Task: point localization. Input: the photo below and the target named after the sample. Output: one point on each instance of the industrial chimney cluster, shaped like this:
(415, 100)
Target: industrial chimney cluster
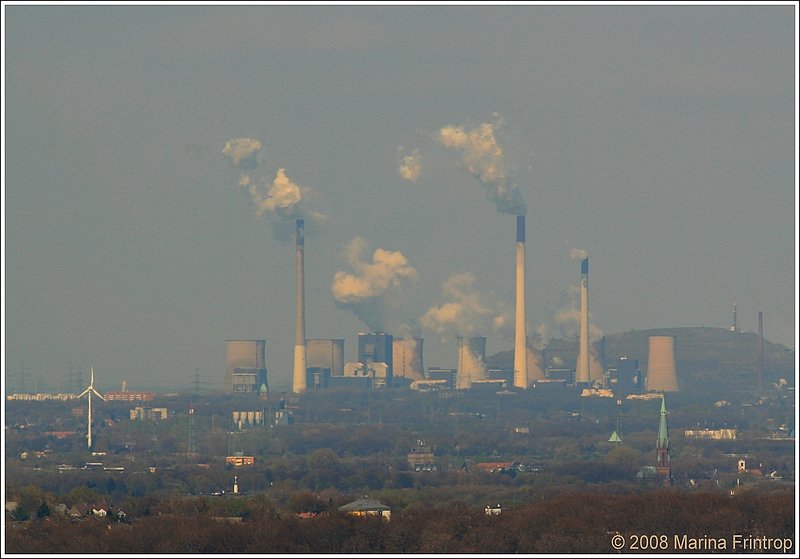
(385, 361)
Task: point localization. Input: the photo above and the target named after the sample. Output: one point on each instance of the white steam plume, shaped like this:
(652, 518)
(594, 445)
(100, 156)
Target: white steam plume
(483, 158)
(374, 287)
(282, 200)
(466, 312)
(567, 320)
(242, 152)
(410, 166)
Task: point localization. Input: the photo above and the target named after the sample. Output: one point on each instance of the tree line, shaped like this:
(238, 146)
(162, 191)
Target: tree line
(563, 523)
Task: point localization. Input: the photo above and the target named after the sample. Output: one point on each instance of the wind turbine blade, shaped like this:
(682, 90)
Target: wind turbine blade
(83, 393)
(96, 393)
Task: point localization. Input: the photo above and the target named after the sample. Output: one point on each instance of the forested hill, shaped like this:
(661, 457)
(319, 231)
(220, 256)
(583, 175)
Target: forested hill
(703, 355)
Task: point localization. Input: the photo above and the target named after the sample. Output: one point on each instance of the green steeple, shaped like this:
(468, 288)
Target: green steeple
(663, 431)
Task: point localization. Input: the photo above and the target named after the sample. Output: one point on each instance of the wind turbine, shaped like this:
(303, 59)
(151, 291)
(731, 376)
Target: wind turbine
(89, 390)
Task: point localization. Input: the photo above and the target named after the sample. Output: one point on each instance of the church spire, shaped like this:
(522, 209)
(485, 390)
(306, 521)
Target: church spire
(662, 446)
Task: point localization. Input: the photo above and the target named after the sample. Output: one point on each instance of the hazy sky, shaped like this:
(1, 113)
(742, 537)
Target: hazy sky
(659, 139)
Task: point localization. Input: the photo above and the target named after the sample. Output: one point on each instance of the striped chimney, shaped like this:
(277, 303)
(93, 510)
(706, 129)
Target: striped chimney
(582, 369)
(520, 337)
(299, 372)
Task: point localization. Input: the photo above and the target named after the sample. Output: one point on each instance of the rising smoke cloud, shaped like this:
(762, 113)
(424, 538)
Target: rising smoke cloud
(374, 288)
(242, 152)
(567, 320)
(281, 200)
(483, 158)
(466, 312)
(410, 166)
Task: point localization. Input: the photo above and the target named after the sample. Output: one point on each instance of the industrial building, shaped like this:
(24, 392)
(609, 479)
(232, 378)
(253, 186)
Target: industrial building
(247, 418)
(711, 434)
(140, 413)
(421, 458)
(128, 396)
(376, 347)
(317, 377)
(628, 374)
(365, 375)
(448, 375)
(367, 507)
(238, 458)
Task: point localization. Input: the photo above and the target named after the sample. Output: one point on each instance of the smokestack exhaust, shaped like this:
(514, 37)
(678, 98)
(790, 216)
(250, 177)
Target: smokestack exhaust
(471, 361)
(520, 336)
(582, 374)
(299, 372)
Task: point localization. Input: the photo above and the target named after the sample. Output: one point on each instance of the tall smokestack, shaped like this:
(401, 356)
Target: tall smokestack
(582, 369)
(520, 337)
(299, 373)
(760, 351)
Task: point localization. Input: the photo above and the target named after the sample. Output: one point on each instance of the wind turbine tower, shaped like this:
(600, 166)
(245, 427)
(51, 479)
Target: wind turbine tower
(89, 391)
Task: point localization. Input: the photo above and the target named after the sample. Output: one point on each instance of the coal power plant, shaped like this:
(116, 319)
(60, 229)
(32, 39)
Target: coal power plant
(387, 361)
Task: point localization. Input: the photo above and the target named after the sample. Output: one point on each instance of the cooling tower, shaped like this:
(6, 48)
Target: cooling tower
(520, 337)
(246, 355)
(326, 354)
(661, 375)
(407, 358)
(299, 371)
(535, 365)
(471, 361)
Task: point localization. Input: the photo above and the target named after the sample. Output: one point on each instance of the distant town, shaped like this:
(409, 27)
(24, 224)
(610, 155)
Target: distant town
(383, 437)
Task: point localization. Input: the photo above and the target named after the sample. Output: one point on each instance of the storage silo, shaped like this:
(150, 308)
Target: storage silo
(407, 358)
(661, 373)
(471, 361)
